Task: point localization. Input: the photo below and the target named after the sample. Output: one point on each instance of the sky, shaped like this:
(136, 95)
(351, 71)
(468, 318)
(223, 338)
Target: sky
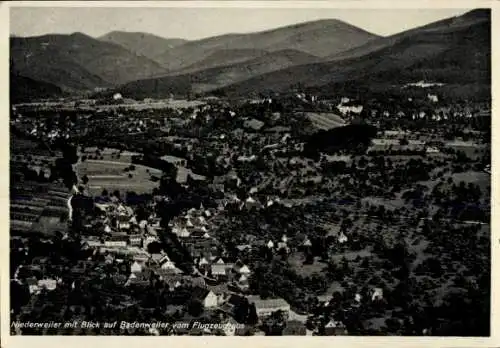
(197, 23)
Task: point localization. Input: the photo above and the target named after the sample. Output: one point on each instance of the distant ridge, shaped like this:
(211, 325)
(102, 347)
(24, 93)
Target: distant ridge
(78, 61)
(143, 44)
(455, 51)
(318, 38)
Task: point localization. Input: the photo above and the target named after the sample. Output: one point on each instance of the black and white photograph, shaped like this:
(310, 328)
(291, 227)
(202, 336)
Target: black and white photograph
(249, 171)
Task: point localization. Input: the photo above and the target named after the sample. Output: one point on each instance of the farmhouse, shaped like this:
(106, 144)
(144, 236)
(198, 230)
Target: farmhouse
(266, 307)
(205, 296)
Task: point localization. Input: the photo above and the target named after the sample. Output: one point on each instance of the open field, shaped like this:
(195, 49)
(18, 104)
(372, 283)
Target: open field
(325, 120)
(109, 154)
(111, 175)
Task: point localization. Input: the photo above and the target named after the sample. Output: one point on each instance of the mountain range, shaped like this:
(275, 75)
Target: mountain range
(142, 44)
(318, 55)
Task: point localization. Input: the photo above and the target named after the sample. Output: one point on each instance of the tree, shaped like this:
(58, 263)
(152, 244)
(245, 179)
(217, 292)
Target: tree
(252, 315)
(195, 308)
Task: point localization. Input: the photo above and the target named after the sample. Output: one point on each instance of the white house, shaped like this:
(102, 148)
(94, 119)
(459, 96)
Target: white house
(136, 267)
(207, 297)
(49, 284)
(203, 262)
(377, 294)
(307, 242)
(265, 308)
(431, 149)
(357, 298)
(168, 265)
(342, 238)
(184, 233)
(244, 270)
(115, 243)
(433, 98)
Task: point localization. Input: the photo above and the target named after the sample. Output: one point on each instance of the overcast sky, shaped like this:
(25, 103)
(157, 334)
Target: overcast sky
(196, 23)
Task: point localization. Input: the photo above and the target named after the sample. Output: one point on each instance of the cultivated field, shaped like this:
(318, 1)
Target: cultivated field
(325, 120)
(111, 175)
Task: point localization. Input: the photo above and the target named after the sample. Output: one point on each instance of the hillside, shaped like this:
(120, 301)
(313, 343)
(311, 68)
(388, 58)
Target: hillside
(319, 38)
(24, 89)
(221, 58)
(452, 54)
(210, 79)
(448, 24)
(78, 61)
(142, 44)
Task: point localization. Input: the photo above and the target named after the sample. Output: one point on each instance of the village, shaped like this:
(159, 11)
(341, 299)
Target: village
(215, 213)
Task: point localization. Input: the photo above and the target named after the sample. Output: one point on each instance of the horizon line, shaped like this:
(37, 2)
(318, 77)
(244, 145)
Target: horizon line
(97, 37)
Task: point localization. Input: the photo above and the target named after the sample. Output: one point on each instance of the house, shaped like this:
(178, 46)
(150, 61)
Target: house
(116, 242)
(229, 326)
(265, 307)
(32, 283)
(358, 298)
(218, 271)
(203, 262)
(139, 279)
(150, 239)
(49, 284)
(200, 233)
(158, 258)
(253, 124)
(283, 246)
(244, 270)
(342, 238)
(433, 98)
(244, 247)
(207, 297)
(173, 281)
(136, 267)
(294, 328)
(431, 149)
(141, 258)
(135, 239)
(252, 203)
(307, 243)
(335, 328)
(169, 265)
(377, 294)
(197, 282)
(183, 233)
(93, 243)
(109, 259)
(123, 222)
(243, 283)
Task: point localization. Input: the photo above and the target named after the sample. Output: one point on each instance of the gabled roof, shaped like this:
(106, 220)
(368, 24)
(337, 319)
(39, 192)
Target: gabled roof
(218, 269)
(271, 303)
(200, 293)
(244, 269)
